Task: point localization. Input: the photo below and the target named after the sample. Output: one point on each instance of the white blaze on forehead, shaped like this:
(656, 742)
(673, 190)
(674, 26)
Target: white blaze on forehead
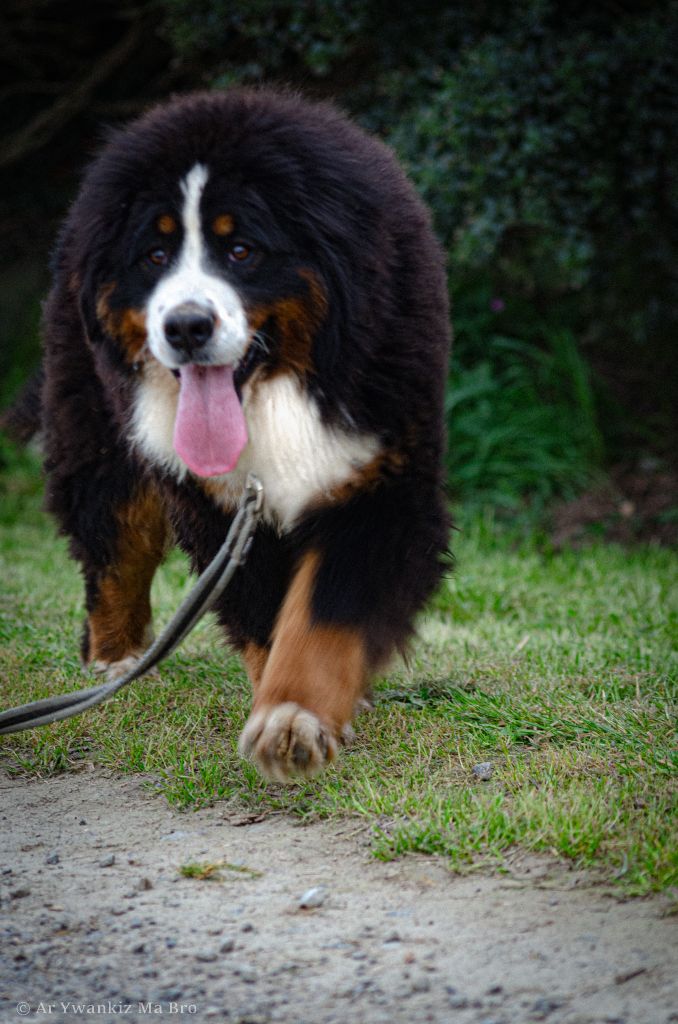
(192, 187)
(193, 279)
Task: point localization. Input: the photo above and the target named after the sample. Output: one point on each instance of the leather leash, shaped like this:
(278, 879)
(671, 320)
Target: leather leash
(210, 585)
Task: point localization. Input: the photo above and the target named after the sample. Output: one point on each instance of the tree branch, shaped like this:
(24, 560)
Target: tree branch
(45, 125)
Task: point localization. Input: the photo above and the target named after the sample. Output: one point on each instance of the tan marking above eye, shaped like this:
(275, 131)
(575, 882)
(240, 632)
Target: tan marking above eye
(223, 224)
(166, 224)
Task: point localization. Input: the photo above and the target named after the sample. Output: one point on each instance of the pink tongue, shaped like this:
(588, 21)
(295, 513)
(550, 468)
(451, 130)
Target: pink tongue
(210, 430)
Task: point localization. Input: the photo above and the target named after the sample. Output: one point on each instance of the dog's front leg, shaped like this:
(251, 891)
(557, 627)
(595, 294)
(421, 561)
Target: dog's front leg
(307, 688)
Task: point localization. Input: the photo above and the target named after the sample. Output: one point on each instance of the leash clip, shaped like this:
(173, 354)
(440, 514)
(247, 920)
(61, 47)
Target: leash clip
(254, 492)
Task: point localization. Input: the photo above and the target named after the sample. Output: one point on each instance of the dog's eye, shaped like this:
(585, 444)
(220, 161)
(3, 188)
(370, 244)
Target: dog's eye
(239, 252)
(158, 257)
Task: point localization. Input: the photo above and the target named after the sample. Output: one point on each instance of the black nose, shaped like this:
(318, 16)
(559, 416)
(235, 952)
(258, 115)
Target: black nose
(189, 326)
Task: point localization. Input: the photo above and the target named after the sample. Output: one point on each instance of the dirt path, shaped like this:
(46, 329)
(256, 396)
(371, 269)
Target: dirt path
(97, 922)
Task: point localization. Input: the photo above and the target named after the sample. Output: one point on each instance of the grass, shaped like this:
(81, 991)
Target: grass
(213, 872)
(559, 668)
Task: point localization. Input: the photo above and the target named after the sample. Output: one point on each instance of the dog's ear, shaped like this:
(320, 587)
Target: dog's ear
(88, 289)
(345, 317)
(84, 257)
(75, 271)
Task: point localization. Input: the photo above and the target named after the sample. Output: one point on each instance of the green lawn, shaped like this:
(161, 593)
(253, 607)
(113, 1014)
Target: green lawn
(559, 668)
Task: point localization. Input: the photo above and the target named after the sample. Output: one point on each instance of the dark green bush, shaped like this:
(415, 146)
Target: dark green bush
(549, 157)
(522, 421)
(543, 135)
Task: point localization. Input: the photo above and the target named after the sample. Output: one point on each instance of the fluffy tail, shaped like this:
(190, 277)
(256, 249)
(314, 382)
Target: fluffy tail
(23, 420)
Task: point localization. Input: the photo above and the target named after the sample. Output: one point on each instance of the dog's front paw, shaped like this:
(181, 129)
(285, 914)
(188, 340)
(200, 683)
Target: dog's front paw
(287, 741)
(112, 670)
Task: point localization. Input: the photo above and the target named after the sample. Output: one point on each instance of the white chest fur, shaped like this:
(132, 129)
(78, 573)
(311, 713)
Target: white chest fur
(297, 457)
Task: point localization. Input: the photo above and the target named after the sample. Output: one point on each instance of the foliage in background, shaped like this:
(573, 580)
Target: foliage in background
(544, 138)
(543, 135)
(521, 422)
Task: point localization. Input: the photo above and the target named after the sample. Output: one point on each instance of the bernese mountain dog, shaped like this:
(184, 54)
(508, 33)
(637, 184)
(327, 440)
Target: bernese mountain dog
(248, 282)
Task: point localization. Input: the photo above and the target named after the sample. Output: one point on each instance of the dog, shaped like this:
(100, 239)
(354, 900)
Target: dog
(247, 282)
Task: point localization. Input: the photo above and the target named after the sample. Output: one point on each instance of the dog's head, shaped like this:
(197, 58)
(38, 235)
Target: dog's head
(227, 233)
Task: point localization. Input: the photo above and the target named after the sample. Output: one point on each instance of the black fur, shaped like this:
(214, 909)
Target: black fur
(316, 193)
(23, 419)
